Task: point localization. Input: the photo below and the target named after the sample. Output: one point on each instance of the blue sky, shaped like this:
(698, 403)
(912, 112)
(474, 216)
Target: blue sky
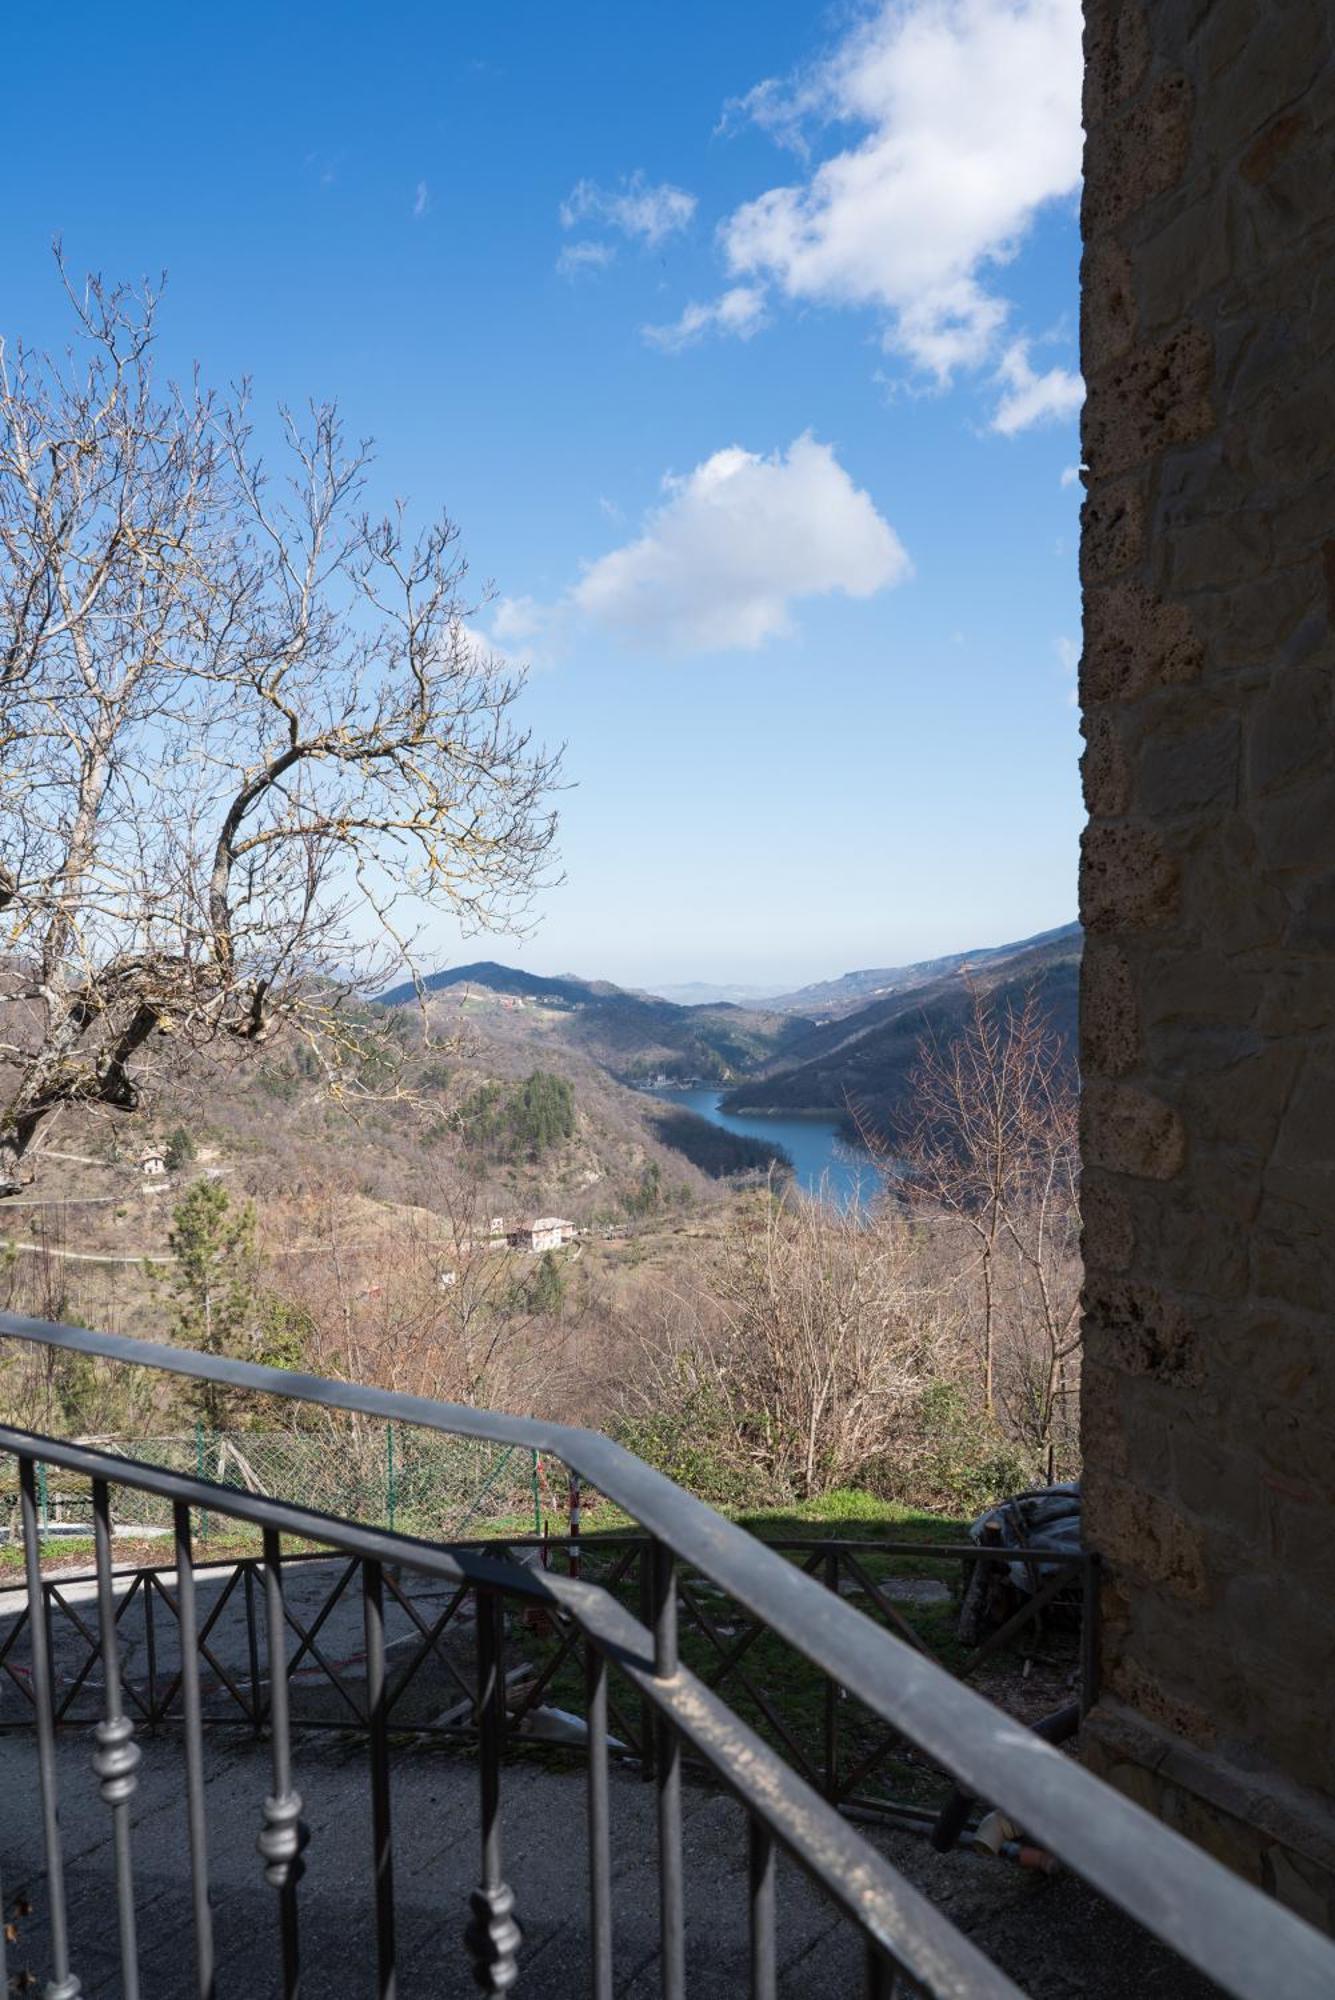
(741, 344)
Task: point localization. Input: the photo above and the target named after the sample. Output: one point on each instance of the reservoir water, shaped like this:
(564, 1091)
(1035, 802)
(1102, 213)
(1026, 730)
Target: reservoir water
(824, 1162)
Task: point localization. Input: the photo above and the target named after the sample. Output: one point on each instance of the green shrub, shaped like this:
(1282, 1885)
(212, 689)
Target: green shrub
(695, 1443)
(964, 1460)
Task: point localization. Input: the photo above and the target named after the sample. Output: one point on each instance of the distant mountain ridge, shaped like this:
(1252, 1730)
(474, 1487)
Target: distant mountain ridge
(842, 1054)
(855, 989)
(566, 987)
(636, 1036)
(859, 1064)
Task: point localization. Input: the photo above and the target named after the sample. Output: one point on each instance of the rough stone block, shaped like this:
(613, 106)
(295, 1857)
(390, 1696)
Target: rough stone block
(1218, 1485)
(1213, 552)
(1311, 921)
(1112, 528)
(1140, 154)
(1236, 907)
(1117, 56)
(1231, 1841)
(1103, 767)
(1137, 1329)
(1189, 770)
(1127, 881)
(1287, 823)
(1131, 1132)
(1199, 1250)
(1109, 1015)
(1108, 1223)
(1203, 989)
(1290, 731)
(1179, 265)
(1154, 396)
(1265, 153)
(1253, 621)
(1142, 1534)
(1134, 642)
(1237, 1095)
(1107, 307)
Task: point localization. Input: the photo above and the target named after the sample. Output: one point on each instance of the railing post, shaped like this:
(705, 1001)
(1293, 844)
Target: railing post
(253, 1648)
(64, 1985)
(283, 1838)
(188, 1633)
(667, 1769)
(493, 1937)
(151, 1651)
(116, 1757)
(764, 1956)
(600, 1854)
(391, 1495)
(382, 1850)
(831, 1694)
(646, 1619)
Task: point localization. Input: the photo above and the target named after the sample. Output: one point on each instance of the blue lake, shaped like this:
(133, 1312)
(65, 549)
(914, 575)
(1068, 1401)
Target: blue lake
(823, 1160)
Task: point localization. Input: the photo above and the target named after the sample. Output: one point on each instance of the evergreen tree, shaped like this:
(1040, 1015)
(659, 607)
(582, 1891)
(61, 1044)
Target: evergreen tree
(548, 1289)
(213, 1287)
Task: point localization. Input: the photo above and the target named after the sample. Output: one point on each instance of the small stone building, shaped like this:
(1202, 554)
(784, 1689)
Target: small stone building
(1208, 896)
(548, 1232)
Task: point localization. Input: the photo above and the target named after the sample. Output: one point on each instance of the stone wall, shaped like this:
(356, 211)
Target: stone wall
(1208, 893)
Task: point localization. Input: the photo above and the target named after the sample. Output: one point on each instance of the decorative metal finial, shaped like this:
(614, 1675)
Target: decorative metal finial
(493, 1939)
(283, 1840)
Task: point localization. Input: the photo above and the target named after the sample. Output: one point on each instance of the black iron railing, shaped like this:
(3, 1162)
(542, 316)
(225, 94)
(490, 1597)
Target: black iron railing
(842, 1749)
(1247, 1944)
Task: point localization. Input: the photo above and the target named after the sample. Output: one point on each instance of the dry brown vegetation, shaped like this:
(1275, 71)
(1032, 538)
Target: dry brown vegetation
(758, 1345)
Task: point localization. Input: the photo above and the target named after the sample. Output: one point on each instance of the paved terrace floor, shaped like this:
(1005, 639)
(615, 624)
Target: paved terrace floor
(1055, 1937)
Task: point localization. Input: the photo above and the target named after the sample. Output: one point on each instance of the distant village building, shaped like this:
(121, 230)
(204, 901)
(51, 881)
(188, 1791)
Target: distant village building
(153, 1163)
(549, 1232)
(497, 1225)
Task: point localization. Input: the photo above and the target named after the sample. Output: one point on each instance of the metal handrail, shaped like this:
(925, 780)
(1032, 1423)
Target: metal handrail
(1249, 1945)
(889, 1910)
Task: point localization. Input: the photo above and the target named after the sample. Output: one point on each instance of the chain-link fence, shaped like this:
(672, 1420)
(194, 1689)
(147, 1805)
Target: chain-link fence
(386, 1475)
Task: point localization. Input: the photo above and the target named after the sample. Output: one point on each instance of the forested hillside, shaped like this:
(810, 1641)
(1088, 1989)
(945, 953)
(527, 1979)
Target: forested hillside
(634, 1035)
(859, 1065)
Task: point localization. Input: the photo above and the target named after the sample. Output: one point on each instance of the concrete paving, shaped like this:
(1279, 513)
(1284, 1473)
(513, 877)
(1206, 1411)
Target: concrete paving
(1057, 1939)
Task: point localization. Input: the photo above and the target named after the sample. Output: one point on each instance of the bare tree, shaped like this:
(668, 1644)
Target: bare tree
(810, 1340)
(990, 1147)
(244, 724)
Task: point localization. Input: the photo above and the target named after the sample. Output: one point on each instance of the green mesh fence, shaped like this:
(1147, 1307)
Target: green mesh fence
(386, 1475)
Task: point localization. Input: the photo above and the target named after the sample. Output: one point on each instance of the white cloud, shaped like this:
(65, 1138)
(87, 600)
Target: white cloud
(735, 544)
(421, 201)
(586, 255)
(740, 311)
(516, 619)
(1032, 398)
(970, 111)
(636, 208)
(1070, 476)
